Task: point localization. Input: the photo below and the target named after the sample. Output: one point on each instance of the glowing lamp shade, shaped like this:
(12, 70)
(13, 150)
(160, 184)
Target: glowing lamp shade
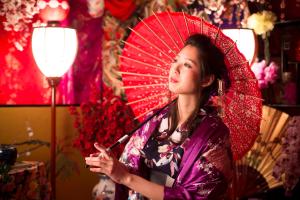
(54, 49)
(245, 40)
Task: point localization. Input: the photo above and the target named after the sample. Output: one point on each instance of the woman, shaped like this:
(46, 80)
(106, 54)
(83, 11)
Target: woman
(187, 145)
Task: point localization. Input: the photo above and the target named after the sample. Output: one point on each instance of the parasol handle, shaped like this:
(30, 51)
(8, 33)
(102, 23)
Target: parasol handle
(128, 135)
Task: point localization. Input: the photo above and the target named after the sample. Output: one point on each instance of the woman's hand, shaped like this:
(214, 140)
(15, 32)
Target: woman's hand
(104, 163)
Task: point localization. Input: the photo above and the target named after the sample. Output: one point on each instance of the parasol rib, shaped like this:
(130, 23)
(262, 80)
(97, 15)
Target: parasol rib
(194, 27)
(146, 98)
(197, 24)
(141, 62)
(217, 35)
(176, 28)
(137, 74)
(151, 44)
(230, 48)
(140, 86)
(144, 52)
(158, 37)
(164, 28)
(144, 113)
(186, 25)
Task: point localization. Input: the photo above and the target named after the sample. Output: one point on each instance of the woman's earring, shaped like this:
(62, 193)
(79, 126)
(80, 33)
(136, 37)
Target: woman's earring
(220, 99)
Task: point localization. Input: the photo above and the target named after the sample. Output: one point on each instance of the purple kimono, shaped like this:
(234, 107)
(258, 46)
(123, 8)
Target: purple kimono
(205, 170)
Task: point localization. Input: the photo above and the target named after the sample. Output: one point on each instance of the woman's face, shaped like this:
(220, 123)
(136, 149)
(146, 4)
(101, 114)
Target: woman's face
(184, 76)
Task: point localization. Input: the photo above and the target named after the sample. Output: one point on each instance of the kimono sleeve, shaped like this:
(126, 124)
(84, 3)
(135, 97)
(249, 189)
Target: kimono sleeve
(210, 174)
(132, 151)
(131, 158)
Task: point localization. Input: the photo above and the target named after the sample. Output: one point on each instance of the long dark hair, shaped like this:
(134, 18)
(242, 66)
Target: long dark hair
(212, 62)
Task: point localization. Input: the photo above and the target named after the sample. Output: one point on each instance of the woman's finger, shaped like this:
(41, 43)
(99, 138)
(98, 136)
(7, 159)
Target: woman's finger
(103, 152)
(98, 158)
(98, 170)
(103, 170)
(92, 163)
(94, 154)
(98, 163)
(99, 147)
(105, 155)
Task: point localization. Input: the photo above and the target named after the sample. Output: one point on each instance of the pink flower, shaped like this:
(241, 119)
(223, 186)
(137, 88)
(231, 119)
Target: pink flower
(258, 69)
(271, 73)
(262, 84)
(265, 74)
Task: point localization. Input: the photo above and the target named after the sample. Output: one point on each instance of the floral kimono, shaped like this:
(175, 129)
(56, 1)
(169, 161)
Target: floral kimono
(205, 169)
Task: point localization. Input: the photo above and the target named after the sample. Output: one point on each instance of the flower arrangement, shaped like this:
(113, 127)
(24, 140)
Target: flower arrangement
(263, 23)
(265, 75)
(103, 119)
(19, 20)
(219, 12)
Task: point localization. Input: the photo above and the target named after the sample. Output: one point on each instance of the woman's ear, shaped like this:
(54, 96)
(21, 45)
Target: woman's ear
(208, 81)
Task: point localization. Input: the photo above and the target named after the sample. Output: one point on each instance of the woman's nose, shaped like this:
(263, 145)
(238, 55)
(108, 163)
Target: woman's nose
(176, 68)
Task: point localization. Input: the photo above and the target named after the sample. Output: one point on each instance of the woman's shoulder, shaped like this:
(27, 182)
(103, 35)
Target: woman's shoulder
(221, 131)
(214, 129)
(217, 150)
(210, 117)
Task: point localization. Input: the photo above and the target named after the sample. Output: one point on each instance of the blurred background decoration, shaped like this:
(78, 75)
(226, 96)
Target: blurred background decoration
(103, 119)
(263, 23)
(286, 166)
(254, 172)
(66, 166)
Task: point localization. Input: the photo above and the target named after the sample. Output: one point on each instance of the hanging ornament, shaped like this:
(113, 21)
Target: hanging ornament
(53, 10)
(95, 8)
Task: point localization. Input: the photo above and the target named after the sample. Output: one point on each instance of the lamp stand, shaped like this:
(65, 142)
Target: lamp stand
(53, 82)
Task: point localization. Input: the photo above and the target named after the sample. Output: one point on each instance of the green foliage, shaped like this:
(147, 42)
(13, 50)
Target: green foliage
(4, 169)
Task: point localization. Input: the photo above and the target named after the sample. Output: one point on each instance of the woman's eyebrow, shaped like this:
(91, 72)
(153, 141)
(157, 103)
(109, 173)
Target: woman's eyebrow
(192, 61)
(187, 59)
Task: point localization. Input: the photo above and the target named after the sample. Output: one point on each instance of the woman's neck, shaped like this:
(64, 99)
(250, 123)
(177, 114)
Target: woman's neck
(186, 106)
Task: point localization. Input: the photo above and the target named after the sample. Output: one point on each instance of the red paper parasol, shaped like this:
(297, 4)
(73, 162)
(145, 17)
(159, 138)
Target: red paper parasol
(145, 63)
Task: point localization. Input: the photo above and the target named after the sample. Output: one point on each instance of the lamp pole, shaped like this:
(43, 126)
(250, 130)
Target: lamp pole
(53, 82)
(54, 49)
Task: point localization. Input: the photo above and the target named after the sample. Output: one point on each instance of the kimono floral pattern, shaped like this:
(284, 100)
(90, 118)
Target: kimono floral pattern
(163, 152)
(133, 148)
(205, 169)
(214, 165)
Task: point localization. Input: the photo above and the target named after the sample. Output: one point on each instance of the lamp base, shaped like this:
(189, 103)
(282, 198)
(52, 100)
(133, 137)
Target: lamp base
(53, 81)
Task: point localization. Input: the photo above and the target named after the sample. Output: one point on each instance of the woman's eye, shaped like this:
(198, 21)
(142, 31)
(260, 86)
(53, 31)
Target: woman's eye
(187, 65)
(174, 60)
